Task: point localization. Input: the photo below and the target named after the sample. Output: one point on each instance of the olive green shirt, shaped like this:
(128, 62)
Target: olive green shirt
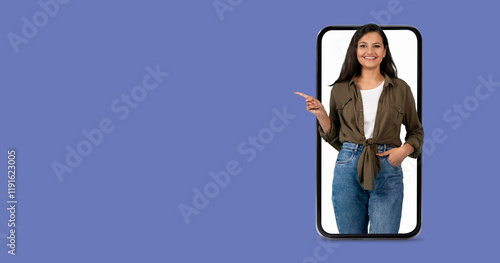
(396, 106)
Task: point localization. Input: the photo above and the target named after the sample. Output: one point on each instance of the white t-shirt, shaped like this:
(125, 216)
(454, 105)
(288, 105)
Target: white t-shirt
(370, 102)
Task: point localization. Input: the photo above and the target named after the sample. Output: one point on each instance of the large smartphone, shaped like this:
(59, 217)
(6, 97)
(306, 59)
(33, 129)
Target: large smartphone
(405, 43)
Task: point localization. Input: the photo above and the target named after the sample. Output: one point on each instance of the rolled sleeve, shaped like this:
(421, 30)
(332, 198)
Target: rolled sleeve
(414, 130)
(332, 135)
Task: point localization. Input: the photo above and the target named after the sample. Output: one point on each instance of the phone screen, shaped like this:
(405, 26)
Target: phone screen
(405, 44)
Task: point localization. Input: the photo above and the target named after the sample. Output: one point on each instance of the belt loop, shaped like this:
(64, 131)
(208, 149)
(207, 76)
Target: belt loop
(385, 147)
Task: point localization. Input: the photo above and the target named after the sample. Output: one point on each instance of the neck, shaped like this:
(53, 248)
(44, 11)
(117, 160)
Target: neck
(371, 74)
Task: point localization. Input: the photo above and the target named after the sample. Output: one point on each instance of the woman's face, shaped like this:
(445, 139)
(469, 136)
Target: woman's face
(370, 50)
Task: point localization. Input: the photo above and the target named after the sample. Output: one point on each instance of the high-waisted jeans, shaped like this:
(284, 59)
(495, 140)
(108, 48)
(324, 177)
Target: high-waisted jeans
(354, 206)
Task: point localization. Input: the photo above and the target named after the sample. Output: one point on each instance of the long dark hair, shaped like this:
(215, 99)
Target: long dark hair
(351, 64)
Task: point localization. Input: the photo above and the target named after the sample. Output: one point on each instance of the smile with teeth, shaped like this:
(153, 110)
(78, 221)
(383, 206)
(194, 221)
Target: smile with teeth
(369, 58)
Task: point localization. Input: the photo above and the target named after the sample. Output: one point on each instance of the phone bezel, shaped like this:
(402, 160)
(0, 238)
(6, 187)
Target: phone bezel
(319, 227)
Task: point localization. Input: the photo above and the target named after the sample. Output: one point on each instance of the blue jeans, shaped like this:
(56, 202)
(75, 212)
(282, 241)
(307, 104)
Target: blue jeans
(354, 206)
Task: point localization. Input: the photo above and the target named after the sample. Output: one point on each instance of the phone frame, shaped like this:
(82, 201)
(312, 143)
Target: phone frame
(319, 227)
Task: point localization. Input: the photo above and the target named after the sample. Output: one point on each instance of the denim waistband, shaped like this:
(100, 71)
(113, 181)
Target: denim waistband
(355, 146)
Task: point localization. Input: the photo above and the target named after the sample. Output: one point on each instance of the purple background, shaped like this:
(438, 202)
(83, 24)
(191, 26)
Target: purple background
(227, 74)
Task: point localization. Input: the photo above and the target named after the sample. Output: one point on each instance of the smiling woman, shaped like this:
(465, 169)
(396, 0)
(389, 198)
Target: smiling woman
(368, 105)
(370, 51)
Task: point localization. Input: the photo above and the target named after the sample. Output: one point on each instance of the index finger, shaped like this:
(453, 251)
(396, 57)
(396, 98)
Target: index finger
(302, 94)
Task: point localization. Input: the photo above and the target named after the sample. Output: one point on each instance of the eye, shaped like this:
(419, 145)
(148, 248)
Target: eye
(377, 46)
(362, 45)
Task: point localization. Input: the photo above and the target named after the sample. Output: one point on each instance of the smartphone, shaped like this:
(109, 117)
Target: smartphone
(405, 43)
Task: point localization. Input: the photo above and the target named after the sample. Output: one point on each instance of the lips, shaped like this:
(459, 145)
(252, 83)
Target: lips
(370, 58)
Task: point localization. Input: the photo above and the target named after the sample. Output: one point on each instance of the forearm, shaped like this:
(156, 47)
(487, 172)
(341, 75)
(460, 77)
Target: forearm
(324, 122)
(408, 149)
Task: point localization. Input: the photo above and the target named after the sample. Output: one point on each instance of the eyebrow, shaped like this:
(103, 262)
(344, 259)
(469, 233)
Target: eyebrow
(367, 43)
